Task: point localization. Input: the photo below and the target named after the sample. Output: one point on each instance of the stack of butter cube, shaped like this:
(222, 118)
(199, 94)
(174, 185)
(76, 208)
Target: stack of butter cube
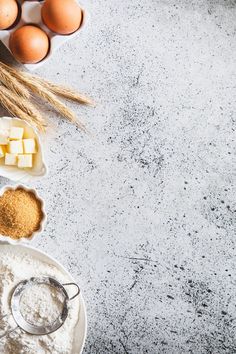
(15, 149)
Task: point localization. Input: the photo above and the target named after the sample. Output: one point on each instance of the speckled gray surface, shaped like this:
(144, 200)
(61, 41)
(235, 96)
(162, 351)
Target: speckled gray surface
(143, 212)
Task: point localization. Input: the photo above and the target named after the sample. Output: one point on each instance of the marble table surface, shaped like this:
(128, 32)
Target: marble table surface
(142, 211)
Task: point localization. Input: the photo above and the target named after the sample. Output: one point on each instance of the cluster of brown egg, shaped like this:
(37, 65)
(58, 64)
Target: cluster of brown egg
(30, 43)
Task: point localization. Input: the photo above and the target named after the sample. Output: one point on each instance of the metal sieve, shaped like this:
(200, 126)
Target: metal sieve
(29, 327)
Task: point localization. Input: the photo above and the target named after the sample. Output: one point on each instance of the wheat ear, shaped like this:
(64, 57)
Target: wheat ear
(55, 103)
(64, 91)
(48, 96)
(26, 106)
(59, 90)
(12, 83)
(14, 109)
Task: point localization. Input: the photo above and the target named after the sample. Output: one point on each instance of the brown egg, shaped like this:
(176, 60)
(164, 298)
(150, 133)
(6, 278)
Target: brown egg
(62, 16)
(8, 13)
(29, 44)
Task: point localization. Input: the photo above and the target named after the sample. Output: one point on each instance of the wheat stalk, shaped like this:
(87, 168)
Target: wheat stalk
(64, 91)
(12, 83)
(14, 109)
(48, 96)
(48, 91)
(59, 90)
(52, 99)
(26, 106)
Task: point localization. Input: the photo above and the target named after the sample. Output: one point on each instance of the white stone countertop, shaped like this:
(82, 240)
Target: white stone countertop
(142, 212)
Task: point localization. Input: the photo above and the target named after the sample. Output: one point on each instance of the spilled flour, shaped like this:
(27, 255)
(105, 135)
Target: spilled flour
(40, 304)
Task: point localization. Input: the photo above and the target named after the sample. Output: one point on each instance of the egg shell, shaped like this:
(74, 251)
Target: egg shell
(62, 16)
(29, 44)
(31, 14)
(8, 13)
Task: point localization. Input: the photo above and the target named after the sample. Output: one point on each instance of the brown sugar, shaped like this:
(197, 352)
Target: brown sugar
(20, 213)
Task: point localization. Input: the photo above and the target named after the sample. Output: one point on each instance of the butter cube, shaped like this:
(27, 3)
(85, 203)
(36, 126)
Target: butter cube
(2, 151)
(29, 146)
(16, 133)
(15, 147)
(4, 137)
(10, 159)
(25, 161)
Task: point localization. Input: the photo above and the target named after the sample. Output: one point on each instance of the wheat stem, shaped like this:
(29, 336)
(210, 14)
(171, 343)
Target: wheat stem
(59, 90)
(14, 109)
(64, 91)
(26, 106)
(12, 83)
(49, 92)
(48, 96)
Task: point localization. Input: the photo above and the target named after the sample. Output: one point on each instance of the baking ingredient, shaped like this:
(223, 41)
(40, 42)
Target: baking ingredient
(29, 146)
(2, 151)
(25, 161)
(52, 99)
(20, 213)
(16, 133)
(12, 83)
(62, 16)
(10, 159)
(21, 107)
(15, 147)
(17, 150)
(29, 44)
(33, 299)
(15, 266)
(4, 138)
(8, 13)
(16, 109)
(64, 91)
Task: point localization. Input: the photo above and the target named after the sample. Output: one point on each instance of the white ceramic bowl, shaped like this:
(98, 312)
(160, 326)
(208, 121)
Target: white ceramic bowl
(13, 172)
(7, 239)
(31, 14)
(80, 332)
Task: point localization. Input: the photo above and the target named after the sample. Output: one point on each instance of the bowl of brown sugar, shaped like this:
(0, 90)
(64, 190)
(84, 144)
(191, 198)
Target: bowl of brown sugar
(22, 214)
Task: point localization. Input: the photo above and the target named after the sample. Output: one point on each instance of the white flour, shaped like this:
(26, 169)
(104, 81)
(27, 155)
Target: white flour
(41, 304)
(20, 266)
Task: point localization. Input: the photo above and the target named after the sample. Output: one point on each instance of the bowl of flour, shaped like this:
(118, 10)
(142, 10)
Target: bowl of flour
(18, 263)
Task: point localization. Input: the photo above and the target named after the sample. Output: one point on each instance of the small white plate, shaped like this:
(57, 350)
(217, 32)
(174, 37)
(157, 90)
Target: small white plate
(13, 172)
(7, 239)
(81, 327)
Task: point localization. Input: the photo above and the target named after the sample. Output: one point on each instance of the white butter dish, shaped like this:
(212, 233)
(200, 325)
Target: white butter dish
(39, 168)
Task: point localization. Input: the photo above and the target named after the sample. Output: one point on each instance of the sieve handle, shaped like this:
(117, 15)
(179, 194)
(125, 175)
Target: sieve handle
(78, 289)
